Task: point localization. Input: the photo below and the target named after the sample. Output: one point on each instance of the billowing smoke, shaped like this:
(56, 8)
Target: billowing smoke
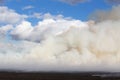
(101, 15)
(62, 45)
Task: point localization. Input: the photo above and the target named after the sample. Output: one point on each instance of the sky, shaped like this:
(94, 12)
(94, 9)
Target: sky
(60, 35)
(35, 11)
(78, 10)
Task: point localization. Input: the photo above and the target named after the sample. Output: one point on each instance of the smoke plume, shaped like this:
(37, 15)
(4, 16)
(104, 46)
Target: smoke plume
(101, 15)
(63, 45)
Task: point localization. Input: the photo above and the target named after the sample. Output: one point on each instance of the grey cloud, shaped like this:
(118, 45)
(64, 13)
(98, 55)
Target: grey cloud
(1, 1)
(73, 2)
(113, 1)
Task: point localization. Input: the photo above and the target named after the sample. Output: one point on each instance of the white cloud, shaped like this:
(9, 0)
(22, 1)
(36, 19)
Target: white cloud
(10, 16)
(50, 25)
(5, 29)
(22, 30)
(27, 7)
(36, 15)
(47, 16)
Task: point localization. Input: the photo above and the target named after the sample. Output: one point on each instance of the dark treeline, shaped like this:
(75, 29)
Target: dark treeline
(54, 76)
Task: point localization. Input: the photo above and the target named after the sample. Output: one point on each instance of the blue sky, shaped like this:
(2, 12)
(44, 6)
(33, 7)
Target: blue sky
(80, 10)
(77, 11)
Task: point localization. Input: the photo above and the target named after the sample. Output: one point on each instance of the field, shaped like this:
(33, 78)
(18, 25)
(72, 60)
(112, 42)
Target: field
(58, 76)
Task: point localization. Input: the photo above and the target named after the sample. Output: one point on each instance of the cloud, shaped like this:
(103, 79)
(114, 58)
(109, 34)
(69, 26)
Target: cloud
(27, 7)
(58, 43)
(56, 17)
(50, 25)
(1, 1)
(79, 48)
(113, 1)
(22, 30)
(10, 16)
(46, 16)
(101, 15)
(4, 30)
(36, 15)
(73, 2)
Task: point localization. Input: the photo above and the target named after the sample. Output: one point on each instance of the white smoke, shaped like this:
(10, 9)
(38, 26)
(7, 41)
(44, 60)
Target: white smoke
(88, 48)
(63, 45)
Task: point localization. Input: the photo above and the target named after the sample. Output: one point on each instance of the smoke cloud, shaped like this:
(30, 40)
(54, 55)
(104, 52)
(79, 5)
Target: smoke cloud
(101, 15)
(83, 48)
(62, 44)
